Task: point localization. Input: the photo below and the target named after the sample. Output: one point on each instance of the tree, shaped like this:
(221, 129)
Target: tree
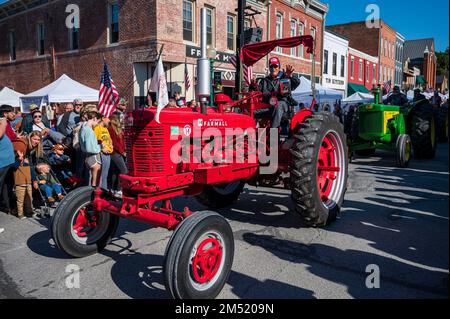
(442, 63)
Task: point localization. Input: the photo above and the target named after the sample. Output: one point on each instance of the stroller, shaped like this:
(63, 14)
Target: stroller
(43, 207)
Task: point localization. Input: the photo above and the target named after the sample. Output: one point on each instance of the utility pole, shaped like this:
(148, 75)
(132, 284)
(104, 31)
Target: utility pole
(242, 4)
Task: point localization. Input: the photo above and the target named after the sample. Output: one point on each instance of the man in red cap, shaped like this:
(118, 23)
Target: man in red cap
(278, 84)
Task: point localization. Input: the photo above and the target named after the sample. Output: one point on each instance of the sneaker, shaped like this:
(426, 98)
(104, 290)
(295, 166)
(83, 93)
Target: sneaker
(118, 194)
(22, 217)
(2, 230)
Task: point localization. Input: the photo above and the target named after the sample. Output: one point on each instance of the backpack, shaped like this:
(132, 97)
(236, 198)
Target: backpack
(76, 137)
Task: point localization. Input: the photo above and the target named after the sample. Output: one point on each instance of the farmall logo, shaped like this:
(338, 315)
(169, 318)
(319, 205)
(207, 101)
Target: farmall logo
(212, 123)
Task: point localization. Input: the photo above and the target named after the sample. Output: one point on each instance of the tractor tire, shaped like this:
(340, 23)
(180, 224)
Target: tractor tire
(423, 132)
(319, 170)
(442, 123)
(199, 257)
(70, 226)
(403, 150)
(221, 196)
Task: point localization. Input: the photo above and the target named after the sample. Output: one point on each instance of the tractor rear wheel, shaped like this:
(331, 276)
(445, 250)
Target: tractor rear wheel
(442, 123)
(77, 229)
(199, 257)
(319, 170)
(423, 132)
(403, 150)
(220, 196)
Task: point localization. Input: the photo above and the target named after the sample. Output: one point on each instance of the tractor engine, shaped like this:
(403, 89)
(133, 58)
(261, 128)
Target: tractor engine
(214, 146)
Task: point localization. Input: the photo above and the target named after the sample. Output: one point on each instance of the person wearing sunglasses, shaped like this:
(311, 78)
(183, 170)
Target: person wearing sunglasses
(27, 124)
(38, 124)
(273, 85)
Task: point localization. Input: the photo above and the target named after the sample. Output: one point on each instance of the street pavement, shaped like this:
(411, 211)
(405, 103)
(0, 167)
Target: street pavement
(396, 219)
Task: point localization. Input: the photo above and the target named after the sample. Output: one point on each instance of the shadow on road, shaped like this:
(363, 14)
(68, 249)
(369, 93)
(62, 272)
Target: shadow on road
(348, 267)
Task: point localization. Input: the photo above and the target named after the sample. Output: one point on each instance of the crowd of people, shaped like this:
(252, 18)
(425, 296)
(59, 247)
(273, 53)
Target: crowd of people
(43, 157)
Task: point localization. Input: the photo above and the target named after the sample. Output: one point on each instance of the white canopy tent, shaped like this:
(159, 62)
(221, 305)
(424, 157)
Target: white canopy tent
(359, 97)
(63, 90)
(10, 97)
(303, 94)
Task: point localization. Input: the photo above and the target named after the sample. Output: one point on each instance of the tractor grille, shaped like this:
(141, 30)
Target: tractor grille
(371, 123)
(145, 150)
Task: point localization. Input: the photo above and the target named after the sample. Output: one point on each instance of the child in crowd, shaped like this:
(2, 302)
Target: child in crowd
(104, 139)
(47, 183)
(90, 147)
(61, 163)
(23, 181)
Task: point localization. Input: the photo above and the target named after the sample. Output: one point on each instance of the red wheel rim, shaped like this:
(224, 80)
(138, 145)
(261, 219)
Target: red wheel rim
(85, 222)
(207, 260)
(328, 168)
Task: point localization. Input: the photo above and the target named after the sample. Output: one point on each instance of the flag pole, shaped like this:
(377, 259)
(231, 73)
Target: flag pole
(156, 64)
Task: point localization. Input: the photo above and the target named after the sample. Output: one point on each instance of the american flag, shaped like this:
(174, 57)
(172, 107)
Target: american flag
(248, 71)
(187, 80)
(109, 96)
(387, 86)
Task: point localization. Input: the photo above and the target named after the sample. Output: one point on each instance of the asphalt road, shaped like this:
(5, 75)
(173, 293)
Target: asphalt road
(394, 218)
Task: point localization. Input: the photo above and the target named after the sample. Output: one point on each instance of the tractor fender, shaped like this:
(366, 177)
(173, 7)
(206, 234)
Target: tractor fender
(299, 118)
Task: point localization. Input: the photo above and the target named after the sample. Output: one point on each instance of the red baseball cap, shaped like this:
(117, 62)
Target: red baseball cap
(274, 60)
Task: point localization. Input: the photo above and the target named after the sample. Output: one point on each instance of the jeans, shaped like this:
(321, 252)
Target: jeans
(6, 186)
(278, 113)
(50, 189)
(106, 163)
(118, 167)
(63, 173)
(81, 171)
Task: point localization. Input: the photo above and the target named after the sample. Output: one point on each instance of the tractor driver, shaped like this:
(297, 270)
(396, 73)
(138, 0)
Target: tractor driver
(270, 85)
(397, 98)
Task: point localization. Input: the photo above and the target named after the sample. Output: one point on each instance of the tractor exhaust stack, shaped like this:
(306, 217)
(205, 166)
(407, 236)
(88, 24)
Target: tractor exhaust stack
(203, 68)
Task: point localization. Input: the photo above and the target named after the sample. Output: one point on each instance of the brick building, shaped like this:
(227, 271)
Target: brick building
(34, 40)
(362, 71)
(378, 42)
(292, 18)
(421, 54)
(399, 48)
(36, 46)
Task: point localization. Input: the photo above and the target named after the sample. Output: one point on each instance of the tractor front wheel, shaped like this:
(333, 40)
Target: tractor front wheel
(220, 196)
(77, 229)
(199, 257)
(319, 170)
(403, 150)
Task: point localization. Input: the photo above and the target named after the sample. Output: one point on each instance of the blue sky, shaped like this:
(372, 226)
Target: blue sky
(414, 19)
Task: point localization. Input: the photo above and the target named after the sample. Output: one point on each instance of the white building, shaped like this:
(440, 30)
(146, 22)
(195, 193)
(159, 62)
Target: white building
(335, 51)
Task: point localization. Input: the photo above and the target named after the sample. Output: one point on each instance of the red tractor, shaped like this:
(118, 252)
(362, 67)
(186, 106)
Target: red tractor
(184, 156)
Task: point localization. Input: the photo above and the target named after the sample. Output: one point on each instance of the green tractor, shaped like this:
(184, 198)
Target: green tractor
(405, 130)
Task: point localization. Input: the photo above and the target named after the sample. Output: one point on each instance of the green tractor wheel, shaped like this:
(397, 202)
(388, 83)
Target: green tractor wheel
(423, 132)
(403, 150)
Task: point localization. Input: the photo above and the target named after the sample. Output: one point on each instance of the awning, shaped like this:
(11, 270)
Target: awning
(252, 53)
(421, 80)
(353, 88)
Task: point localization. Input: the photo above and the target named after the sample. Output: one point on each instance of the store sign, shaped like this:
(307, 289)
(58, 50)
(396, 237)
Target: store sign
(195, 52)
(338, 82)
